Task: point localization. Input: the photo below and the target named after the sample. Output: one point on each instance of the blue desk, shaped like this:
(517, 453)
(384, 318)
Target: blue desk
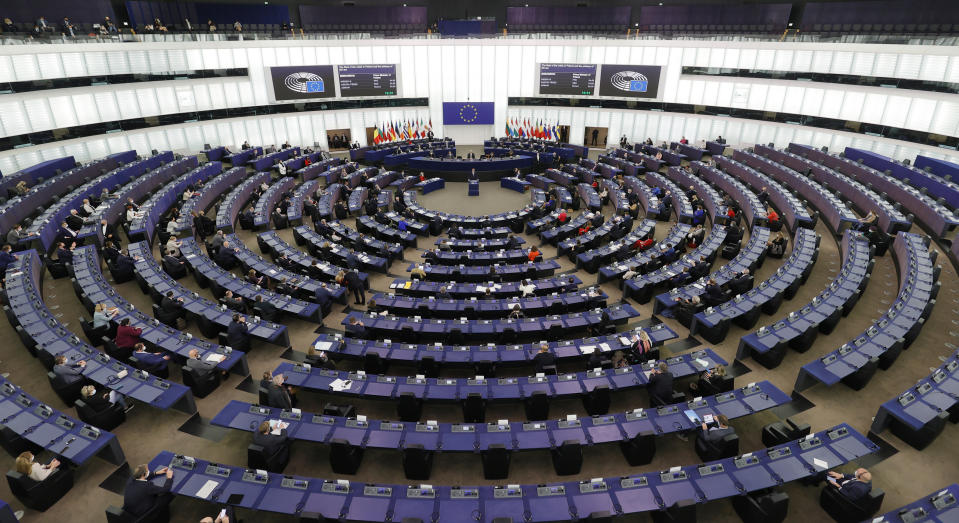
(207, 272)
(618, 269)
(360, 242)
(242, 157)
(715, 148)
(47, 225)
(576, 244)
(233, 202)
(215, 153)
(642, 287)
(6, 513)
(519, 435)
(92, 288)
(263, 208)
(384, 179)
(617, 158)
(619, 249)
(937, 187)
(209, 315)
(483, 257)
(294, 214)
(588, 195)
(647, 199)
(571, 385)
(889, 218)
(322, 247)
(268, 161)
(937, 507)
(560, 232)
(752, 209)
(650, 162)
(17, 208)
(208, 194)
(792, 212)
(744, 309)
(455, 169)
(64, 436)
(617, 196)
(937, 217)
(485, 273)
(402, 158)
(515, 184)
(431, 184)
(936, 166)
(385, 232)
(432, 307)
(893, 331)
(800, 328)
(269, 242)
(50, 336)
(769, 161)
(316, 169)
(299, 162)
(694, 154)
(633, 494)
(484, 233)
(681, 204)
(466, 244)
(919, 414)
(672, 158)
(144, 226)
(710, 198)
(536, 327)
(562, 283)
(357, 200)
(505, 219)
(46, 170)
(469, 355)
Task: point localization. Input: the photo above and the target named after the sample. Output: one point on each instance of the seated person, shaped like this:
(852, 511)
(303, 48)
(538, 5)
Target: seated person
(357, 328)
(319, 358)
(277, 395)
(124, 267)
(709, 381)
(142, 495)
(233, 302)
(110, 252)
(64, 253)
(237, 333)
(152, 362)
(777, 245)
(527, 288)
(714, 435)
(226, 256)
(543, 358)
(100, 401)
(203, 369)
(714, 295)
(102, 317)
(28, 467)
(660, 385)
(67, 372)
(273, 443)
(265, 309)
(173, 247)
(172, 307)
(741, 283)
(680, 278)
(534, 253)
(418, 273)
(854, 486)
(127, 336)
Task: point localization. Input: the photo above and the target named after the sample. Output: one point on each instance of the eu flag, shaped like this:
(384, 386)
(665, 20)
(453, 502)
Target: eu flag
(468, 113)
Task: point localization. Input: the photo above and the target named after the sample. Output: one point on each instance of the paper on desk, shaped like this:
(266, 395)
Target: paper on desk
(647, 373)
(624, 341)
(408, 284)
(587, 349)
(605, 347)
(820, 463)
(215, 357)
(480, 288)
(207, 489)
(701, 362)
(339, 385)
(323, 346)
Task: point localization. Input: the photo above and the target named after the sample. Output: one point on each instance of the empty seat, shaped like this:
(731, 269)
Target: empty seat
(344, 458)
(496, 460)
(474, 408)
(567, 458)
(417, 462)
(409, 407)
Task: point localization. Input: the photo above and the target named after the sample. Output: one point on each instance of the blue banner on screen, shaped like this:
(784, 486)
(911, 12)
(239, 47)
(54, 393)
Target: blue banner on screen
(468, 113)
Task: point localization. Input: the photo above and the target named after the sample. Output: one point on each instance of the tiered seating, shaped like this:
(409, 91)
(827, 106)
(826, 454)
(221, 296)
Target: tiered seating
(322, 247)
(267, 161)
(937, 218)
(317, 169)
(617, 196)
(919, 414)
(430, 307)
(210, 317)
(670, 157)
(452, 355)
(642, 287)
(270, 243)
(511, 219)
(385, 232)
(357, 200)
(681, 204)
(560, 232)
(486, 273)
(588, 195)
(636, 493)
(240, 158)
(753, 210)
(617, 249)
(46, 338)
(461, 244)
(832, 208)
(459, 289)
(793, 212)
(943, 190)
(233, 202)
(744, 309)
(209, 273)
(92, 288)
(619, 159)
(878, 347)
(208, 194)
(938, 507)
(268, 200)
(361, 242)
(675, 236)
(454, 331)
(392, 218)
(649, 201)
(145, 225)
(712, 201)
(512, 256)
(693, 154)
(294, 214)
(890, 219)
(800, 328)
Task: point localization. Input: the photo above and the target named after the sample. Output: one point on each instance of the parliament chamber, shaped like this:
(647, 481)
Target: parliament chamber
(539, 262)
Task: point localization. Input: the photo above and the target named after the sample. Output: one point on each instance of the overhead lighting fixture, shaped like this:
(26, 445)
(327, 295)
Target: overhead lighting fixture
(790, 24)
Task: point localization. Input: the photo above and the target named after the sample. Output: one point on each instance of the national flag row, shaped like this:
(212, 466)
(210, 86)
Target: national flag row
(404, 130)
(526, 128)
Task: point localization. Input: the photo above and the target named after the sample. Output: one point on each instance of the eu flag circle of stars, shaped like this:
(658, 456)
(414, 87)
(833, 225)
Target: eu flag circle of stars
(472, 118)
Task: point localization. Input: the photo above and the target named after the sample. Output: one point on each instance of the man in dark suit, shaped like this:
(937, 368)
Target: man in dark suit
(202, 368)
(741, 283)
(854, 486)
(660, 385)
(173, 266)
(173, 307)
(264, 309)
(714, 294)
(669, 254)
(714, 435)
(355, 284)
(124, 267)
(141, 494)
(352, 261)
(274, 445)
(543, 358)
(226, 257)
(68, 373)
(357, 329)
(109, 232)
(64, 254)
(276, 394)
(237, 333)
(65, 234)
(74, 220)
(323, 297)
(152, 362)
(232, 302)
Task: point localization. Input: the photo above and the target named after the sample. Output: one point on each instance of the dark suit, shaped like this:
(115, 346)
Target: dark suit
(202, 368)
(97, 402)
(267, 310)
(272, 443)
(714, 436)
(172, 307)
(142, 495)
(74, 222)
(356, 286)
(152, 363)
(65, 255)
(278, 397)
(323, 297)
(124, 267)
(661, 386)
(237, 337)
(543, 359)
(853, 489)
(226, 258)
(68, 373)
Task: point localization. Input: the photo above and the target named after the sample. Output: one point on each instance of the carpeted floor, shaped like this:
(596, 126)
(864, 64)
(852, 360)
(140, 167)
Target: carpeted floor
(905, 474)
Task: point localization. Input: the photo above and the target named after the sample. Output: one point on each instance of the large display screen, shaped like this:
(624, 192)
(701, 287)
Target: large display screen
(631, 81)
(367, 80)
(568, 79)
(301, 82)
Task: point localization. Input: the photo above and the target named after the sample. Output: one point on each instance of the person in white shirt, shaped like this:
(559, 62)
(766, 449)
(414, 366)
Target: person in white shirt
(35, 471)
(131, 214)
(527, 288)
(173, 246)
(171, 226)
(281, 168)
(87, 208)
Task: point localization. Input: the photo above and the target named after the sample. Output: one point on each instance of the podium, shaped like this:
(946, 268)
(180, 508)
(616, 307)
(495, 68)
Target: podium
(473, 188)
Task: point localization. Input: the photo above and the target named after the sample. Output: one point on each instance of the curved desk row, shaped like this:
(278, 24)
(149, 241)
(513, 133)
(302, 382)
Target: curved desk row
(793, 212)
(744, 309)
(330, 250)
(486, 273)
(750, 258)
(503, 219)
(497, 354)
(209, 273)
(144, 226)
(681, 204)
(399, 159)
(240, 158)
(317, 169)
(46, 169)
(372, 386)
(636, 493)
(836, 213)
(270, 243)
(617, 196)
(878, 347)
(234, 201)
(624, 165)
(357, 199)
(263, 208)
(268, 161)
(642, 287)
(753, 210)
(670, 157)
(937, 507)
(675, 236)
(889, 218)
(386, 232)
(649, 201)
(47, 338)
(936, 186)
(304, 191)
(92, 288)
(515, 436)
(211, 317)
(536, 327)
(431, 307)
(616, 249)
(458, 170)
(561, 283)
(361, 242)
(588, 195)
(800, 328)
(208, 194)
(612, 230)
(571, 228)
(693, 154)
(511, 256)
(711, 199)
(468, 245)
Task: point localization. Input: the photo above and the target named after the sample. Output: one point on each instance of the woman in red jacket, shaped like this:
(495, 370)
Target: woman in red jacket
(127, 336)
